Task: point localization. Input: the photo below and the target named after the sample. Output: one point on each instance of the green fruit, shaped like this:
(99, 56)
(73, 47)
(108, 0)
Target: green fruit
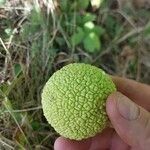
(74, 100)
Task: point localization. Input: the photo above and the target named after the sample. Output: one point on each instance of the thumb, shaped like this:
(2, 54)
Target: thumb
(131, 122)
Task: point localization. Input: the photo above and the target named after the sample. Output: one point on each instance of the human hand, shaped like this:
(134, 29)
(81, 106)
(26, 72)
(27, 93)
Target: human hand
(130, 120)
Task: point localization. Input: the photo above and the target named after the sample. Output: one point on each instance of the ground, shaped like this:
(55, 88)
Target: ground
(39, 37)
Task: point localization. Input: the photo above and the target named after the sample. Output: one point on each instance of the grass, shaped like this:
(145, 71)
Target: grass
(39, 37)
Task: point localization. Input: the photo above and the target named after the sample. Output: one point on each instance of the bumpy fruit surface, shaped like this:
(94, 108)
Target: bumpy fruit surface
(74, 100)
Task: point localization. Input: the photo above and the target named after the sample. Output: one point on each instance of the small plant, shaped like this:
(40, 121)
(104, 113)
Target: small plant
(88, 34)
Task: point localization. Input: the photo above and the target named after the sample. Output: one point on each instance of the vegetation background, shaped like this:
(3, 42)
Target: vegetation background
(38, 37)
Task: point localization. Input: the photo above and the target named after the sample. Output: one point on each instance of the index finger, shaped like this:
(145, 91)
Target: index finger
(138, 92)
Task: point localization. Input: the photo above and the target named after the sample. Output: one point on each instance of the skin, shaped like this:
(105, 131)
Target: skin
(128, 110)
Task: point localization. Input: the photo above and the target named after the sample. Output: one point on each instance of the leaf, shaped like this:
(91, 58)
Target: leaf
(88, 17)
(8, 31)
(78, 36)
(99, 30)
(92, 43)
(89, 26)
(35, 125)
(83, 4)
(17, 69)
(79, 20)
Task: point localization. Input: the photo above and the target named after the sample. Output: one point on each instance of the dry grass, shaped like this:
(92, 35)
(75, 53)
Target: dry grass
(35, 42)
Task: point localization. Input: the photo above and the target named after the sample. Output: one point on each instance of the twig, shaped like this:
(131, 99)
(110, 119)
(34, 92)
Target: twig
(127, 18)
(53, 37)
(10, 112)
(5, 144)
(25, 110)
(14, 32)
(7, 59)
(131, 33)
(7, 52)
(6, 140)
(13, 8)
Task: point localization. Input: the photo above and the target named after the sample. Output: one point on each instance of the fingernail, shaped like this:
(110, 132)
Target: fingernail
(128, 109)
